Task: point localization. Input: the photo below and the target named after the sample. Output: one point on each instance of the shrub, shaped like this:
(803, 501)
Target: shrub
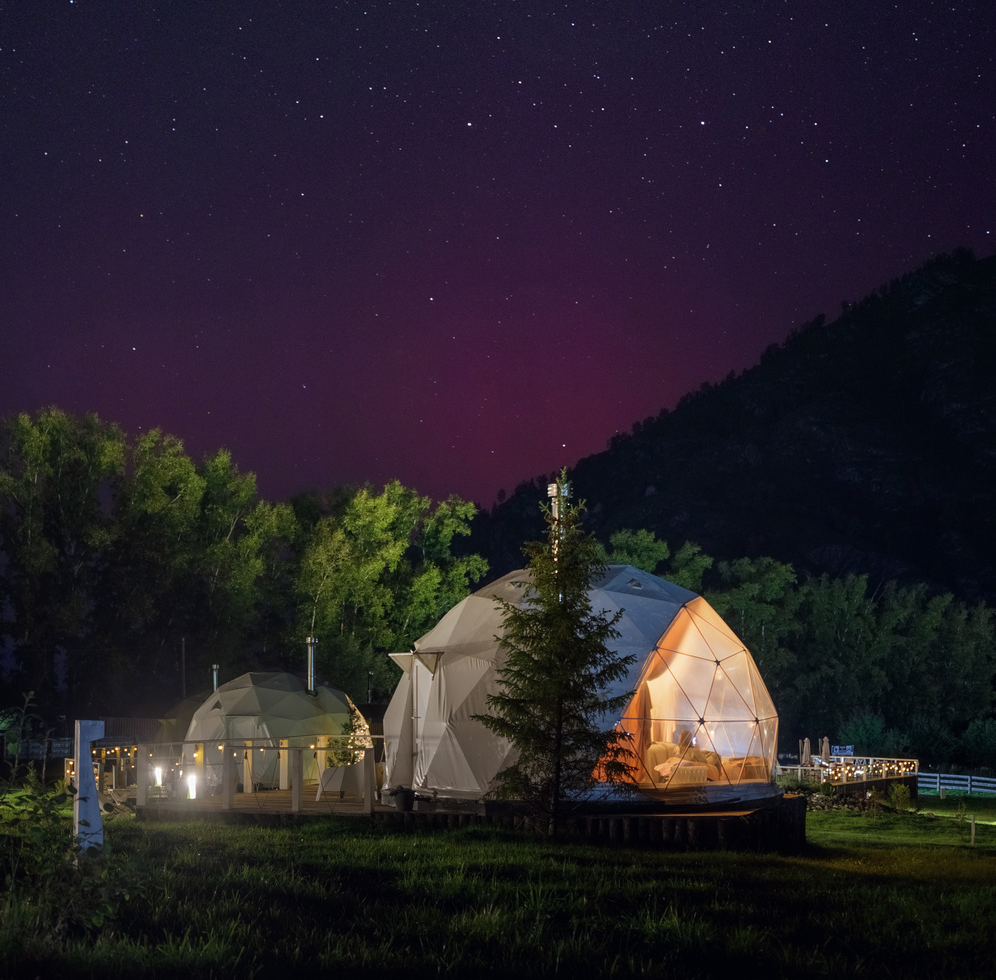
(53, 888)
(899, 796)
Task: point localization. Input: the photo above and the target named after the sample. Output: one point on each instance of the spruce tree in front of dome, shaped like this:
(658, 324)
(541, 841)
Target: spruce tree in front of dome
(558, 668)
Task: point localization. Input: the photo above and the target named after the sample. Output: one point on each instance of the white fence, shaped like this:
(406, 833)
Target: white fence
(936, 781)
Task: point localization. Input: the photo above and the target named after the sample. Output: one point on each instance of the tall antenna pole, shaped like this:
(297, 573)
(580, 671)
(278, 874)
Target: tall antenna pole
(558, 493)
(311, 641)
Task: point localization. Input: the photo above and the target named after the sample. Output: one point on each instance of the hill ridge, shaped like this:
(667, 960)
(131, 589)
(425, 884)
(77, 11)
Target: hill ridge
(866, 444)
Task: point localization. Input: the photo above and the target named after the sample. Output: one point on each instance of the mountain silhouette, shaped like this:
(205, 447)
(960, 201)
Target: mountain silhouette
(865, 445)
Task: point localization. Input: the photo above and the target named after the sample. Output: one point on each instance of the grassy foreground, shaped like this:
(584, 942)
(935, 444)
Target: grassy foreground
(880, 895)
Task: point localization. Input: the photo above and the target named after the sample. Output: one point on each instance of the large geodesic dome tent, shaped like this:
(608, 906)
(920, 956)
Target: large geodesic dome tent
(701, 724)
(267, 708)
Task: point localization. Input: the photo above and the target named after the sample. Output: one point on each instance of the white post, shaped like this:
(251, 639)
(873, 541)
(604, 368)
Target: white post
(369, 781)
(141, 775)
(297, 778)
(284, 765)
(227, 775)
(87, 825)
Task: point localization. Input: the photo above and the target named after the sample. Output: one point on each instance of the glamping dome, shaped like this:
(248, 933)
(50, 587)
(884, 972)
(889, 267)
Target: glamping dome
(701, 724)
(270, 706)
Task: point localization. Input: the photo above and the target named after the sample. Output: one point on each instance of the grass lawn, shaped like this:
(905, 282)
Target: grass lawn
(871, 896)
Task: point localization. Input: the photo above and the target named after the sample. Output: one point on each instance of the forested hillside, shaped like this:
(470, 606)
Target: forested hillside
(865, 445)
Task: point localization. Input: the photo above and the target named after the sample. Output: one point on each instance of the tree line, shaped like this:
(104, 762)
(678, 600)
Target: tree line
(893, 669)
(127, 570)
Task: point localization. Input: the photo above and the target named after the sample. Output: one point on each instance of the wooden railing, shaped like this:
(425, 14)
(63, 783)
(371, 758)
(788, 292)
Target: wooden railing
(843, 770)
(235, 767)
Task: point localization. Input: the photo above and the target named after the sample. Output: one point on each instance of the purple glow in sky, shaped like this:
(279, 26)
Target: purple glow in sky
(459, 244)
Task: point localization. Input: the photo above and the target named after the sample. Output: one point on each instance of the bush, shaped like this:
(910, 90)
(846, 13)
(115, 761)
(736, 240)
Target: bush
(53, 888)
(899, 797)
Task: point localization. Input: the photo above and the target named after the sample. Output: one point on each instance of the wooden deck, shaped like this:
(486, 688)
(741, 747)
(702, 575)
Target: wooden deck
(781, 827)
(271, 806)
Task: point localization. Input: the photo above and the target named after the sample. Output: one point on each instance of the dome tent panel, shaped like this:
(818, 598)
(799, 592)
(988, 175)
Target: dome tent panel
(731, 696)
(691, 674)
(399, 744)
(459, 686)
(444, 758)
(686, 636)
(767, 733)
(764, 707)
(415, 730)
(713, 630)
(465, 770)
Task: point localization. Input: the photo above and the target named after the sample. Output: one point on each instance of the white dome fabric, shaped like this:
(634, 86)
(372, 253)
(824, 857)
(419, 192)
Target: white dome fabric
(690, 673)
(269, 705)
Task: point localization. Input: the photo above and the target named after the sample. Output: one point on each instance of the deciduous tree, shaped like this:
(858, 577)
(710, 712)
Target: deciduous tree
(374, 574)
(57, 475)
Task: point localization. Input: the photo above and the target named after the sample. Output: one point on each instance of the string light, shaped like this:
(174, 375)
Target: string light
(862, 768)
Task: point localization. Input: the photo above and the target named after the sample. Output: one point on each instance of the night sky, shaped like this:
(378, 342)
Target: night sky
(459, 243)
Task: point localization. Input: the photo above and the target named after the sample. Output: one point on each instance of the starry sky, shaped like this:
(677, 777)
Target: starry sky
(460, 244)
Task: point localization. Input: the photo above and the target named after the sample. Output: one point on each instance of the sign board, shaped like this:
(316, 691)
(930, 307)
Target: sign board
(842, 750)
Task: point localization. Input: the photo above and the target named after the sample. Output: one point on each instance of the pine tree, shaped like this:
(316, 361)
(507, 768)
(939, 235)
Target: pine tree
(557, 672)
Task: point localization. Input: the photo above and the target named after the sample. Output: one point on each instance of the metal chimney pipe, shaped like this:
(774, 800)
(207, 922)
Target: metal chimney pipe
(214, 670)
(311, 641)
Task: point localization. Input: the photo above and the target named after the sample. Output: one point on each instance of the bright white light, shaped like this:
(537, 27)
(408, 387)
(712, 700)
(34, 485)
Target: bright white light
(159, 775)
(192, 786)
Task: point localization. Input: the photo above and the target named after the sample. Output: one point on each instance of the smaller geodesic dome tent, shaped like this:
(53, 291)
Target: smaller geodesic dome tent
(272, 709)
(701, 725)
